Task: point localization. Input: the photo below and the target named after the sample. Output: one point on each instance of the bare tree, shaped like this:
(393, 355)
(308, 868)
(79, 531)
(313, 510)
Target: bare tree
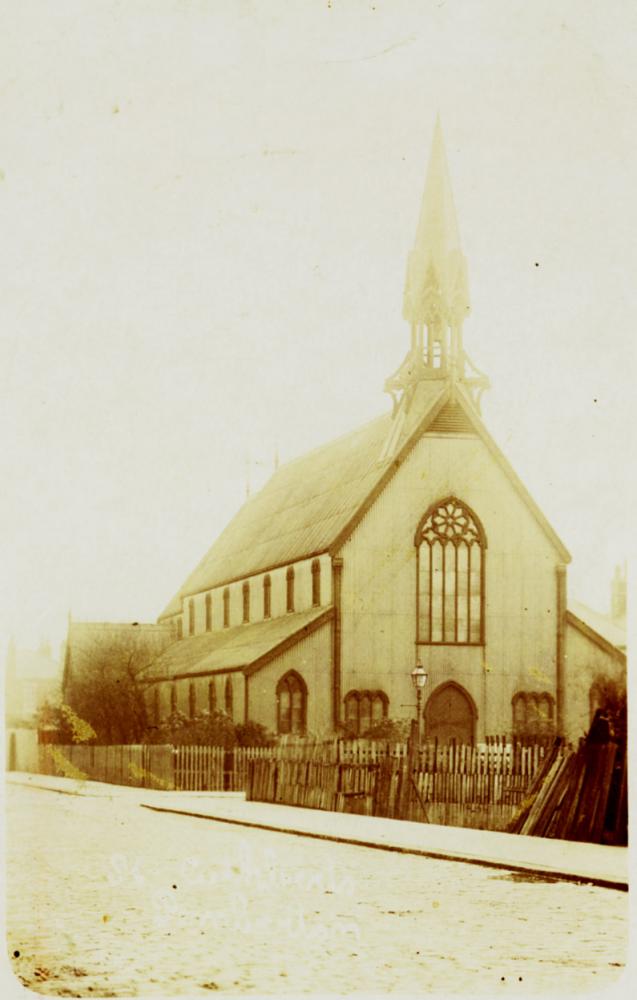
(104, 684)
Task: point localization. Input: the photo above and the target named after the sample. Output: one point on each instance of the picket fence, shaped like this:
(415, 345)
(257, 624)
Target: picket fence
(477, 786)
(480, 786)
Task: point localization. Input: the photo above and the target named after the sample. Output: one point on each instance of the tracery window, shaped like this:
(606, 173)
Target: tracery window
(267, 596)
(533, 714)
(228, 696)
(208, 612)
(291, 701)
(364, 709)
(289, 581)
(451, 545)
(246, 602)
(316, 583)
(226, 608)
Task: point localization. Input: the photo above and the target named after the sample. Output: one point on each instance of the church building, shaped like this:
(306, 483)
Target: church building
(410, 540)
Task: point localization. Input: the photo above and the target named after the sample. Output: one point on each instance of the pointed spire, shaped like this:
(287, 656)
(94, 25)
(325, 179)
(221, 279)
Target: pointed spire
(436, 289)
(436, 300)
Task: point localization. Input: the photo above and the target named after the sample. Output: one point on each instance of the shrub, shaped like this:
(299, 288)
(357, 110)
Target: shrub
(391, 730)
(253, 734)
(206, 729)
(214, 729)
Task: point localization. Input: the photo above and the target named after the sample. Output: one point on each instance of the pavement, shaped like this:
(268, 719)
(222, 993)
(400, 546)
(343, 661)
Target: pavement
(595, 864)
(107, 899)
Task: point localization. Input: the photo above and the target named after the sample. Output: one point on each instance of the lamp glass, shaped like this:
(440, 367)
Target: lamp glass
(419, 676)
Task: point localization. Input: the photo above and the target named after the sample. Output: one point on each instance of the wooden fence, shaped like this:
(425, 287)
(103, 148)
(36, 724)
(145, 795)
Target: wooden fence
(479, 786)
(143, 766)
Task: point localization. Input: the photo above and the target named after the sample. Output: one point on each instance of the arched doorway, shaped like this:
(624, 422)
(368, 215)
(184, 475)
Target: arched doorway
(450, 714)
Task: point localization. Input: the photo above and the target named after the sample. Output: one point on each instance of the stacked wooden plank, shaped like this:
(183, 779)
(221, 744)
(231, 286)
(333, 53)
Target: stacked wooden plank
(578, 795)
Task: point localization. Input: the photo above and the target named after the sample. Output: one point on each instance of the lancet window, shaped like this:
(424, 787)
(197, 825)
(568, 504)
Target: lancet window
(291, 700)
(316, 583)
(289, 586)
(226, 608)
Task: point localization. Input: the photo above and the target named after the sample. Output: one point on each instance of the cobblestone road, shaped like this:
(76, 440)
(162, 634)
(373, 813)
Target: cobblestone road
(108, 899)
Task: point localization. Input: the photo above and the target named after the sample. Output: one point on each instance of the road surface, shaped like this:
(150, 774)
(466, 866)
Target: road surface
(105, 898)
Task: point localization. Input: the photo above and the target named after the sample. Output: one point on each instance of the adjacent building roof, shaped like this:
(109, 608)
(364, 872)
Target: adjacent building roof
(243, 647)
(612, 632)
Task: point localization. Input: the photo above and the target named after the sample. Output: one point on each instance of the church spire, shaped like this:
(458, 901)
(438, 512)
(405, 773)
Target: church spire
(436, 298)
(436, 289)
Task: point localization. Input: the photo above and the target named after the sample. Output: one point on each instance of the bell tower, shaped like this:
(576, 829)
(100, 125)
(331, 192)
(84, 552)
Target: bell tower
(436, 299)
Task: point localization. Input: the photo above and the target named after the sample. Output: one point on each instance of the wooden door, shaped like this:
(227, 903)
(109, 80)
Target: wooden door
(450, 715)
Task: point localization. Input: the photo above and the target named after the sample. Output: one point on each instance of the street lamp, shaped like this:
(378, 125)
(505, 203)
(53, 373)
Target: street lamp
(418, 679)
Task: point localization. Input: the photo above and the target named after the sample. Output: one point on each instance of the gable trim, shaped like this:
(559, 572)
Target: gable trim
(512, 475)
(389, 473)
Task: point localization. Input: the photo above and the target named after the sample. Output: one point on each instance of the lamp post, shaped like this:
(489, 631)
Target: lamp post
(419, 679)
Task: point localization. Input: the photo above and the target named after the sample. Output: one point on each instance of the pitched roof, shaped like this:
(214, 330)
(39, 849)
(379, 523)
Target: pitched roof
(313, 504)
(241, 647)
(307, 503)
(606, 627)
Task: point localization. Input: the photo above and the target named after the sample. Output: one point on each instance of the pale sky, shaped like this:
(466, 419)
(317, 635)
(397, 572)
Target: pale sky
(207, 209)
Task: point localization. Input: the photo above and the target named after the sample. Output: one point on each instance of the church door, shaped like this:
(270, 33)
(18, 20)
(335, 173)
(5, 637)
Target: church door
(449, 714)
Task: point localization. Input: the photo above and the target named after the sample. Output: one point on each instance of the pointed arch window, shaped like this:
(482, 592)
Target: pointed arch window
(246, 601)
(289, 588)
(533, 714)
(192, 700)
(156, 706)
(226, 608)
(228, 696)
(212, 697)
(451, 546)
(316, 583)
(364, 709)
(208, 612)
(173, 698)
(180, 628)
(267, 596)
(191, 616)
(291, 701)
